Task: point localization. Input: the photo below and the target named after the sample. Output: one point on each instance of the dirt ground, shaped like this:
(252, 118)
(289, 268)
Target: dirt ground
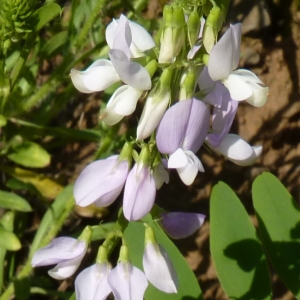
(270, 48)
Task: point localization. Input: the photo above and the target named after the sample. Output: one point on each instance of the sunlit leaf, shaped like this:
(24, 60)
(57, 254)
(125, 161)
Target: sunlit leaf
(45, 14)
(29, 154)
(8, 240)
(14, 202)
(188, 286)
(237, 253)
(3, 121)
(47, 187)
(55, 43)
(279, 227)
(53, 219)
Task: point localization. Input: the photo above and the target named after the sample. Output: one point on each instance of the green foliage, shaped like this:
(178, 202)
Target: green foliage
(279, 228)
(236, 248)
(13, 202)
(237, 252)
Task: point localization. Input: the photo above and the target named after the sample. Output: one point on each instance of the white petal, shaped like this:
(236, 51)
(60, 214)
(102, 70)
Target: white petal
(222, 56)
(127, 100)
(238, 151)
(140, 37)
(177, 159)
(122, 36)
(247, 75)
(159, 269)
(152, 113)
(66, 269)
(99, 76)
(110, 32)
(127, 282)
(59, 250)
(130, 72)
(109, 117)
(92, 284)
(189, 172)
(236, 33)
(239, 89)
(259, 96)
(160, 175)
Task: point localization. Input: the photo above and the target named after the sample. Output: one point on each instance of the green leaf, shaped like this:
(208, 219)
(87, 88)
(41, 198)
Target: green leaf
(279, 227)
(48, 187)
(54, 43)
(53, 219)
(188, 286)
(8, 240)
(3, 121)
(237, 253)
(29, 154)
(14, 202)
(45, 14)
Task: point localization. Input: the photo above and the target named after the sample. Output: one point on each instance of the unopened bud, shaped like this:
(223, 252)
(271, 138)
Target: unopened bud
(194, 26)
(173, 34)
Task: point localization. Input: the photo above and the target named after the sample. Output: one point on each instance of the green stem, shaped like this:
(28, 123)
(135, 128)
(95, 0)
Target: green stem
(99, 8)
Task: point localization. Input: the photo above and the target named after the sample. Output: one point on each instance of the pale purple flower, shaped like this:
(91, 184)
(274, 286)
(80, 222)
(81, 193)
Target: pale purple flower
(127, 282)
(139, 192)
(101, 182)
(238, 151)
(179, 225)
(92, 284)
(66, 252)
(181, 133)
(159, 269)
(224, 59)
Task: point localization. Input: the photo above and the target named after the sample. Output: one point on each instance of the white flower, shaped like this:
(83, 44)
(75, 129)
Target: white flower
(159, 269)
(127, 282)
(66, 252)
(224, 58)
(103, 73)
(238, 151)
(92, 284)
(122, 103)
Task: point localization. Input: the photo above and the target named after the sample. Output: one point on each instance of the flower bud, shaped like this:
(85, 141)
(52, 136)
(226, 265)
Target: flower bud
(211, 28)
(194, 26)
(157, 265)
(173, 34)
(179, 225)
(187, 86)
(155, 106)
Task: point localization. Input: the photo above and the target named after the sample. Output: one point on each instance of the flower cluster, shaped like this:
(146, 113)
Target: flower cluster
(125, 281)
(178, 132)
(192, 89)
